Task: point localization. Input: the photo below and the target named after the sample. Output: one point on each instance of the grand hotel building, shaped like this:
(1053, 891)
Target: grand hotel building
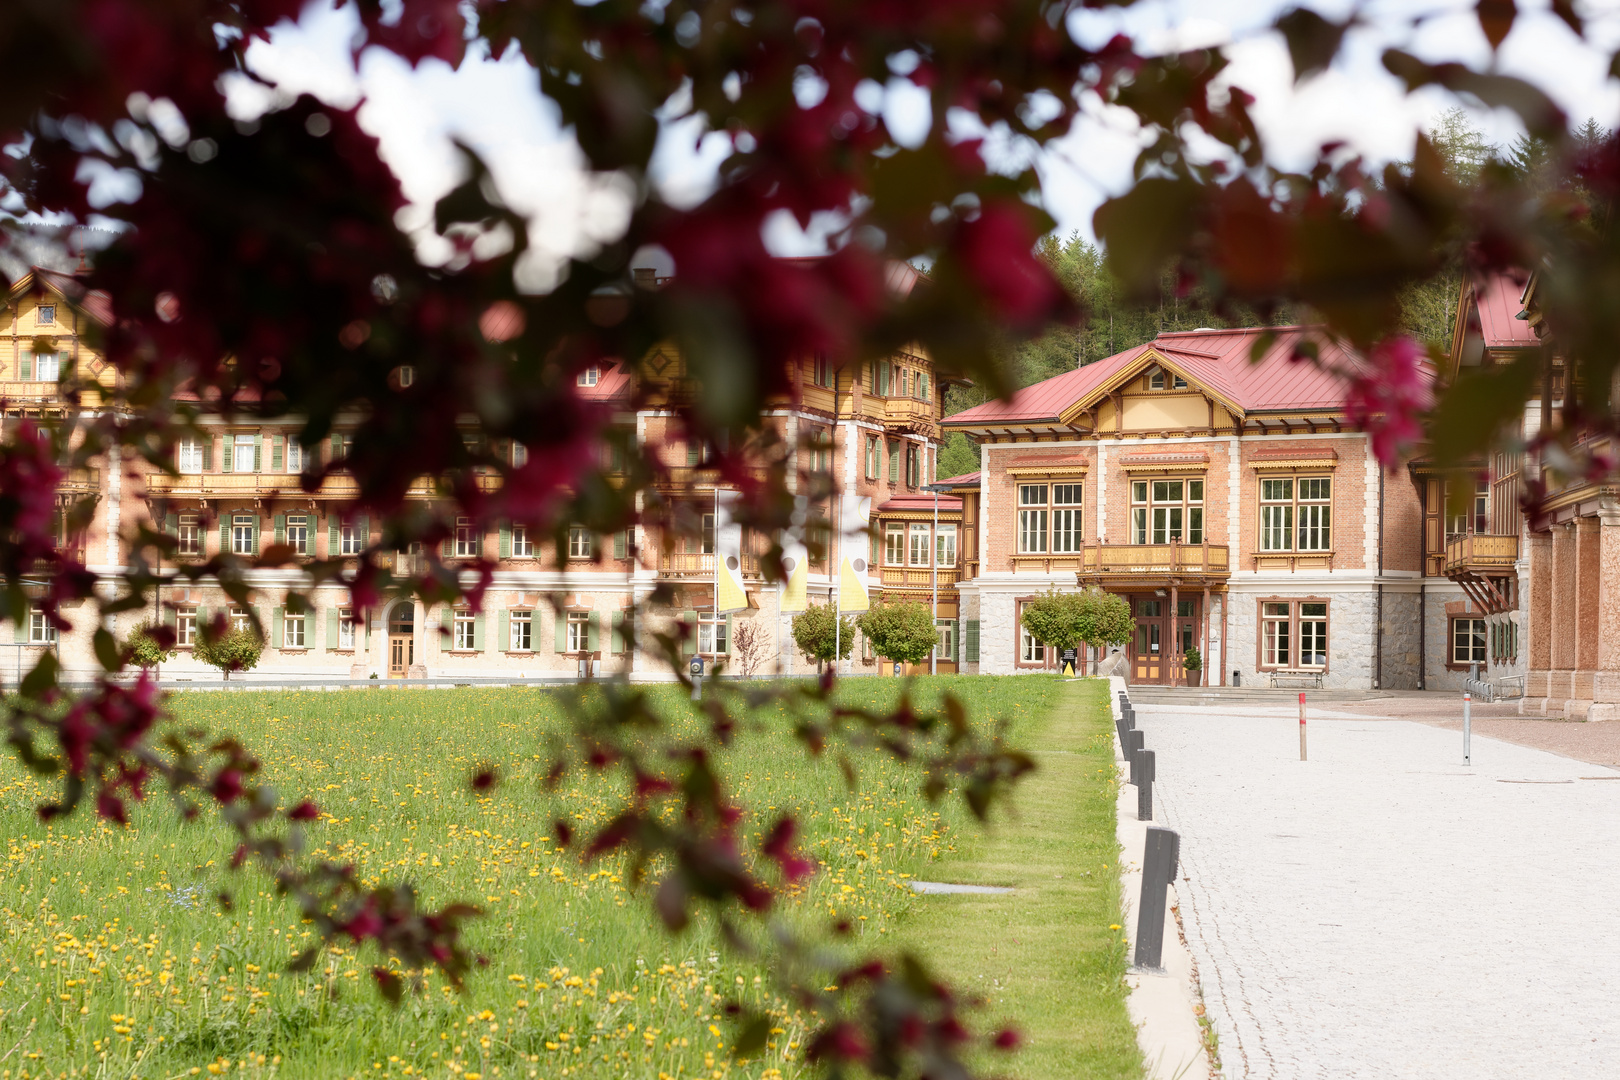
(1227, 499)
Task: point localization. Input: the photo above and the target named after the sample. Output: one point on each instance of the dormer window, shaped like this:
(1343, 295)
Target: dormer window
(590, 376)
(45, 315)
(1156, 380)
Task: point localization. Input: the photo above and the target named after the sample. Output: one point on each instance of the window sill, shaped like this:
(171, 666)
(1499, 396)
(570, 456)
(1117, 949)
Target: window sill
(300, 649)
(1481, 664)
(518, 652)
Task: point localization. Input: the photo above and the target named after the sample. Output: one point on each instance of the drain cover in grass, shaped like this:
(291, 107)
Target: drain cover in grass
(946, 887)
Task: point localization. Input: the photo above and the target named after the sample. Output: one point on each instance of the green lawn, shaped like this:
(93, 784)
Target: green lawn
(114, 961)
(1050, 957)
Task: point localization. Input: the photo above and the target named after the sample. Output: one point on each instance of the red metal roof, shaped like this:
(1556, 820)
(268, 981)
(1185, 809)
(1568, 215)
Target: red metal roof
(1217, 360)
(94, 302)
(965, 480)
(921, 502)
(1497, 302)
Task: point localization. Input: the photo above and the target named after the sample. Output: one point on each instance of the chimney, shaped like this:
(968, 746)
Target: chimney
(646, 277)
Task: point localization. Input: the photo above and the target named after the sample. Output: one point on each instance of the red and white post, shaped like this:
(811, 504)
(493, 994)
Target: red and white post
(1302, 725)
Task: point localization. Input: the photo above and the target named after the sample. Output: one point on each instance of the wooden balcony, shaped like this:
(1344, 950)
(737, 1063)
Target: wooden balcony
(1483, 566)
(1475, 553)
(919, 577)
(1148, 564)
(221, 485)
(80, 482)
(911, 415)
(681, 564)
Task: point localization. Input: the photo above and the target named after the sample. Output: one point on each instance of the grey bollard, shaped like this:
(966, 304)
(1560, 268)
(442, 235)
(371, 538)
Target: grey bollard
(1159, 859)
(697, 688)
(1122, 731)
(1146, 769)
(1132, 745)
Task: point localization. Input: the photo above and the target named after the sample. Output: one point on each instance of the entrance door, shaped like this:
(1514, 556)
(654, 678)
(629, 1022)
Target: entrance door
(401, 640)
(1148, 648)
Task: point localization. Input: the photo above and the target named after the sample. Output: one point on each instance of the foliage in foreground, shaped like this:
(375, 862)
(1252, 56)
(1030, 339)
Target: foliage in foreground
(128, 931)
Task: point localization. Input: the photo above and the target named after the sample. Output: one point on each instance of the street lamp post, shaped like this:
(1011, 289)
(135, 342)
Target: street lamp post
(933, 657)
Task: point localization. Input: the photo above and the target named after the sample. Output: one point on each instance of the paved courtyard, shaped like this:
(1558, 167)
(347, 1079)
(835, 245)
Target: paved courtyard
(1382, 911)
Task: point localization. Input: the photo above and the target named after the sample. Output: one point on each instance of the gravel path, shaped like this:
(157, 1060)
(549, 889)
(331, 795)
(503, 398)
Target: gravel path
(1380, 911)
(1595, 743)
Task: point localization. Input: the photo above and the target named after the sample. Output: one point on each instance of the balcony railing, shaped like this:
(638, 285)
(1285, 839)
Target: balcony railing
(695, 564)
(1475, 553)
(1138, 560)
(909, 414)
(914, 577)
(210, 485)
(80, 481)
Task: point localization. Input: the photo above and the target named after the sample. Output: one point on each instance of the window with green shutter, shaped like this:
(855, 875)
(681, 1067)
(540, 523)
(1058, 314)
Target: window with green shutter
(616, 640)
(970, 642)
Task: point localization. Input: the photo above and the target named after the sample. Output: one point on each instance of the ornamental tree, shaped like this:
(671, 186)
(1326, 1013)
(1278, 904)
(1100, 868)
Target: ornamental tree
(149, 646)
(818, 635)
(902, 632)
(231, 650)
(262, 267)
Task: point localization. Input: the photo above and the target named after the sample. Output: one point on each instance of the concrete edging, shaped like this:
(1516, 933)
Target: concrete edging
(1161, 1006)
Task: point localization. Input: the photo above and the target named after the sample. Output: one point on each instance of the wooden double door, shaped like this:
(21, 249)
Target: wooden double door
(1163, 637)
(401, 640)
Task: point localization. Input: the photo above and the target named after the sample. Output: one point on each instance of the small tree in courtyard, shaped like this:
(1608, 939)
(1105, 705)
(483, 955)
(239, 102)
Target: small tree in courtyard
(1107, 622)
(150, 645)
(817, 635)
(233, 650)
(902, 632)
(1053, 619)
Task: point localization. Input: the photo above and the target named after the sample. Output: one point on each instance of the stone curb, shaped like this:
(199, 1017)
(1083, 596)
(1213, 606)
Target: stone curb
(1161, 1006)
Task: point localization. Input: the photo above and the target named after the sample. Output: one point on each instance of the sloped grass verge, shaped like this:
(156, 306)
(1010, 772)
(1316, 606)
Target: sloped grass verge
(1049, 958)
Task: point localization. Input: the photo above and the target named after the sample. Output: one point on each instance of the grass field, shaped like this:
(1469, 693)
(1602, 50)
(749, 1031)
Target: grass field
(116, 962)
(1049, 958)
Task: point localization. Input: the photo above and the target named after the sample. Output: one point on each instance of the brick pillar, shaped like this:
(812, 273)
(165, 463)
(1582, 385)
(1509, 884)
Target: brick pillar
(1538, 616)
(1606, 679)
(1561, 624)
(1588, 573)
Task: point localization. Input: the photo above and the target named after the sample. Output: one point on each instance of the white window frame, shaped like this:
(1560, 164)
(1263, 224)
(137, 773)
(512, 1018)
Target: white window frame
(520, 455)
(185, 626)
(188, 456)
(292, 631)
(1481, 642)
(41, 631)
(45, 315)
(465, 631)
(521, 631)
(1277, 513)
(47, 367)
(712, 639)
(581, 544)
(522, 546)
(945, 546)
(917, 544)
(1276, 634)
(1312, 635)
(298, 533)
(240, 619)
(244, 531)
(350, 541)
(189, 535)
(577, 627)
(295, 454)
(1068, 518)
(242, 453)
(894, 544)
(589, 377)
(466, 539)
(943, 644)
(1033, 516)
(345, 639)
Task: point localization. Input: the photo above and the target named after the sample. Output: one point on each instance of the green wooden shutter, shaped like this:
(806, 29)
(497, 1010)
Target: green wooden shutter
(337, 446)
(592, 637)
(956, 641)
(727, 649)
(224, 533)
(689, 636)
(478, 632)
(970, 647)
(171, 524)
(281, 529)
(621, 543)
(275, 628)
(258, 452)
(277, 457)
(334, 538)
(331, 629)
(894, 461)
(253, 536)
(560, 642)
(19, 630)
(691, 452)
(362, 531)
(506, 539)
(208, 453)
(170, 617)
(25, 372)
(504, 642)
(616, 637)
(225, 450)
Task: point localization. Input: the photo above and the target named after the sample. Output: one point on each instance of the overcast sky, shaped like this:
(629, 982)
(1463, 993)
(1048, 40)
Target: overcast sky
(494, 106)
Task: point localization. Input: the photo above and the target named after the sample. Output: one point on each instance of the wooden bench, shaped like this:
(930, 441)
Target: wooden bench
(1301, 679)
